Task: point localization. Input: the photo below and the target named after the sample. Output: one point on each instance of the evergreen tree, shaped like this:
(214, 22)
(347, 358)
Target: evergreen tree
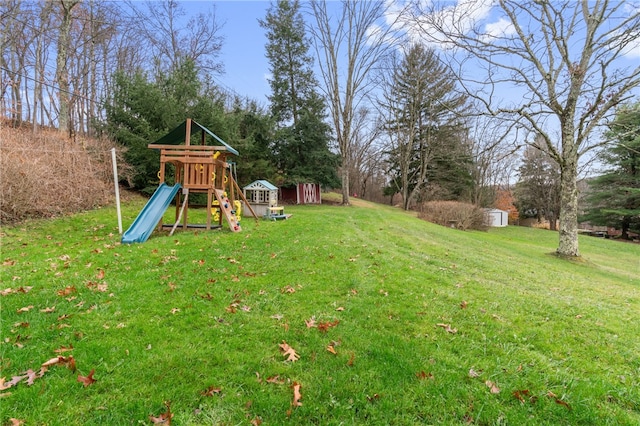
(614, 197)
(424, 125)
(301, 142)
(141, 111)
(252, 133)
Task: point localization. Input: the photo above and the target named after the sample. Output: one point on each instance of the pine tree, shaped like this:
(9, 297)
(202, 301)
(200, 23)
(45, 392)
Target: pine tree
(424, 124)
(614, 197)
(301, 145)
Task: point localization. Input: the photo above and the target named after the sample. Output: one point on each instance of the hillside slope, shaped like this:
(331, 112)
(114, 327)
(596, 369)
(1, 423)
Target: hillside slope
(392, 320)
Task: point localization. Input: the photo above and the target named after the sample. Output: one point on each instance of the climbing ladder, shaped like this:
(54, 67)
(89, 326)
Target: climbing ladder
(226, 208)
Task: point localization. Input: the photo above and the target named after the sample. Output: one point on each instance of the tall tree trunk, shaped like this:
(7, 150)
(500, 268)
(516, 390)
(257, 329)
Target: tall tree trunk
(344, 171)
(62, 73)
(568, 244)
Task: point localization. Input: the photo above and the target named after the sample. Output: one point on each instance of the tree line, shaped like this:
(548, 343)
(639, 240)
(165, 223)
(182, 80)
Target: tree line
(378, 98)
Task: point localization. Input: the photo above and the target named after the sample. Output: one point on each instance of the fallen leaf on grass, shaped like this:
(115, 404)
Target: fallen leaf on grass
(448, 328)
(164, 418)
(340, 309)
(100, 274)
(331, 349)
(69, 361)
(48, 310)
(463, 304)
(25, 309)
(276, 380)
(492, 387)
(97, 287)
(67, 291)
(297, 396)
(211, 390)
(521, 394)
(87, 380)
(324, 326)
(15, 422)
(473, 373)
(175, 311)
(289, 352)
(352, 358)
(558, 400)
(4, 385)
(373, 398)
(310, 322)
(422, 375)
(31, 376)
(287, 289)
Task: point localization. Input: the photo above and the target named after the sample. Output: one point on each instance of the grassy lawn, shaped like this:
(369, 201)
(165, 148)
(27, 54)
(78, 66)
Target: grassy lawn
(395, 321)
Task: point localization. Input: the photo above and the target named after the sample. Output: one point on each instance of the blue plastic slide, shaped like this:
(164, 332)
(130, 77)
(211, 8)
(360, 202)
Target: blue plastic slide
(151, 214)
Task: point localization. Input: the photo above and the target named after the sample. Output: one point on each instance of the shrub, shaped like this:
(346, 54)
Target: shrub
(45, 175)
(454, 214)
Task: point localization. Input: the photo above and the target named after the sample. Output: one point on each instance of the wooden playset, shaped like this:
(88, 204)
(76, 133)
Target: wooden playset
(197, 169)
(201, 169)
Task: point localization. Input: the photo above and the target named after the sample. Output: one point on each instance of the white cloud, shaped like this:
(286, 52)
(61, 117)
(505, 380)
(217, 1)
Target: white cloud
(632, 51)
(499, 29)
(458, 18)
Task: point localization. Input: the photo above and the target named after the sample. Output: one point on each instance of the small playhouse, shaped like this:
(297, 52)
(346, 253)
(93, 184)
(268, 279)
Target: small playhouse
(261, 195)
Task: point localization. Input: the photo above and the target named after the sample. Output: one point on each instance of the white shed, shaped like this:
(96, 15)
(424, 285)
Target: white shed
(496, 217)
(261, 195)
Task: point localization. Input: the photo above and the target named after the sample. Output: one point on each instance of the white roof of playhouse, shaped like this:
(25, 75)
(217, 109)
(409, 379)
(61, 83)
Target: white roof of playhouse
(261, 184)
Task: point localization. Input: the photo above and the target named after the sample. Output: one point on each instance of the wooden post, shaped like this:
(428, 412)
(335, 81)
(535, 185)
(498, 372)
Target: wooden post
(185, 207)
(187, 137)
(184, 204)
(209, 207)
(246, 203)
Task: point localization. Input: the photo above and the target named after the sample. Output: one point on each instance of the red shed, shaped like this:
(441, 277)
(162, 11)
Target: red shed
(301, 193)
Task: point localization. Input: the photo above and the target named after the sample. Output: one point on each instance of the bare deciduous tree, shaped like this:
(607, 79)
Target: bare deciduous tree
(348, 46)
(562, 59)
(494, 162)
(62, 67)
(365, 155)
(171, 42)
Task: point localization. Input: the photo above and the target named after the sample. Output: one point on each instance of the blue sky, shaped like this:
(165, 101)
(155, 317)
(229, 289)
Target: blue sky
(243, 52)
